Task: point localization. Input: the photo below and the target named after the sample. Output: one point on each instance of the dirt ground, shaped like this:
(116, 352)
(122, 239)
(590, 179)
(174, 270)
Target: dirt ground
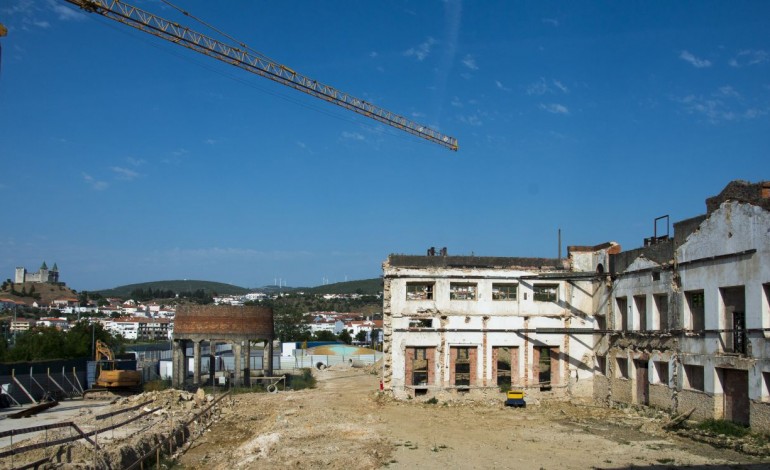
(344, 423)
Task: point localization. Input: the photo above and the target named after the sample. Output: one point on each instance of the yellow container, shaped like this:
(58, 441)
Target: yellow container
(515, 394)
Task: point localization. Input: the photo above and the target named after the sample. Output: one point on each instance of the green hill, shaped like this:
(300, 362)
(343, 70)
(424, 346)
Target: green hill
(364, 286)
(177, 286)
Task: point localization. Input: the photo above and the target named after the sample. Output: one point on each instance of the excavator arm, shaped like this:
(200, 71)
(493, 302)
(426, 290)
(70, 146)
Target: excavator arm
(103, 352)
(255, 63)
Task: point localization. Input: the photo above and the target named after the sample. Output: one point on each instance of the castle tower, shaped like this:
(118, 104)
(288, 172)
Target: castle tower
(20, 275)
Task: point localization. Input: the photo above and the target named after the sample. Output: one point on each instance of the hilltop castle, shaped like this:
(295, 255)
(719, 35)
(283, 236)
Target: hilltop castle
(42, 275)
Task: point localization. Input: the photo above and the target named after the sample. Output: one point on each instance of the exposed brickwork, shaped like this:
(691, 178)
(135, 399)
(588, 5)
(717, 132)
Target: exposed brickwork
(757, 194)
(248, 321)
(430, 356)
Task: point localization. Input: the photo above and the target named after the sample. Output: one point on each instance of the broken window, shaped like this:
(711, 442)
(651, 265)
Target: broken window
(661, 305)
(621, 319)
(601, 364)
(420, 366)
(693, 377)
(503, 364)
(462, 366)
(661, 372)
(504, 291)
(545, 292)
(419, 291)
(420, 323)
(462, 291)
(622, 368)
(640, 301)
(696, 310)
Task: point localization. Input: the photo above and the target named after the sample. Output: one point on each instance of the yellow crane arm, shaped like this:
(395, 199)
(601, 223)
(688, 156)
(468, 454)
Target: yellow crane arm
(103, 352)
(183, 36)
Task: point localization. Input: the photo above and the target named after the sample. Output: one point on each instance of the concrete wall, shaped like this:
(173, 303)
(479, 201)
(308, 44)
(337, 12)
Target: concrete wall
(702, 402)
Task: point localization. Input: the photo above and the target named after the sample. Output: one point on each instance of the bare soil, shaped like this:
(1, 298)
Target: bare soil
(345, 423)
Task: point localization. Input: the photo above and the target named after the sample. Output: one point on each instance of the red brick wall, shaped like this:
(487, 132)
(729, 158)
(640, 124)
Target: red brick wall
(223, 319)
(430, 355)
(472, 360)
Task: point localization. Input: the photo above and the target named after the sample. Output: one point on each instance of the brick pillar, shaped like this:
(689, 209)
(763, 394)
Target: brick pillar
(473, 355)
(212, 362)
(178, 364)
(197, 363)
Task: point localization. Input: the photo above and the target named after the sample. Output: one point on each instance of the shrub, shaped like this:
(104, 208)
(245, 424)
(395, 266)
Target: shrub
(721, 426)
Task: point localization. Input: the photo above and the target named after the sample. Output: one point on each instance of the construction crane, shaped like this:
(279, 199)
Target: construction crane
(241, 56)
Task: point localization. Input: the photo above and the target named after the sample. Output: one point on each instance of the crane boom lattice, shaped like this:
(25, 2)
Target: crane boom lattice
(251, 62)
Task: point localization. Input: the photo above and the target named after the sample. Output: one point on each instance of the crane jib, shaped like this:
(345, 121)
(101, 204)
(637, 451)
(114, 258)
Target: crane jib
(150, 23)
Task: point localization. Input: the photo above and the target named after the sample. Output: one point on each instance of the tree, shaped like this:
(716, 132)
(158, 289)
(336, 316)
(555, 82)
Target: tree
(345, 337)
(361, 336)
(324, 335)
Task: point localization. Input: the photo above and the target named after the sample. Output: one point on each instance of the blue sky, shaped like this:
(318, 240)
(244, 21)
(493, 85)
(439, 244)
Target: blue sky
(128, 159)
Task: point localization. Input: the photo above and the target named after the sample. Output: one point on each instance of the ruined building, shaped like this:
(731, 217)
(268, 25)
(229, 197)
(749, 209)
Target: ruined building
(680, 324)
(685, 319)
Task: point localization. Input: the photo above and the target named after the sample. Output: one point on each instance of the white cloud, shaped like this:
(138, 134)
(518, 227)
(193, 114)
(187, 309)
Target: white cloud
(373, 54)
(551, 21)
(500, 86)
(749, 57)
(352, 136)
(125, 173)
(694, 61)
(95, 184)
(24, 7)
(456, 102)
(470, 62)
(543, 86)
(471, 120)
(422, 51)
(65, 13)
(723, 105)
(180, 152)
(555, 108)
(135, 161)
(42, 24)
(209, 141)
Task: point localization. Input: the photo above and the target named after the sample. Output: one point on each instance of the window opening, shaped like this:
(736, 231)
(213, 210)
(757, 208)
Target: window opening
(462, 291)
(419, 291)
(504, 291)
(545, 292)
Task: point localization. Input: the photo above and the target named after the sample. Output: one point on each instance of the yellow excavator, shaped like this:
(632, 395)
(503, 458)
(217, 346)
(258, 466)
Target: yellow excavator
(110, 375)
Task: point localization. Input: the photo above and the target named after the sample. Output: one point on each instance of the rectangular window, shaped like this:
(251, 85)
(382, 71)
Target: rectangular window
(621, 319)
(420, 323)
(503, 365)
(601, 364)
(419, 291)
(622, 368)
(640, 301)
(462, 367)
(420, 366)
(661, 372)
(462, 291)
(504, 291)
(661, 306)
(545, 292)
(696, 307)
(693, 376)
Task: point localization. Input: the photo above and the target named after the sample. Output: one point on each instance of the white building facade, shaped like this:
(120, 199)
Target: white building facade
(457, 325)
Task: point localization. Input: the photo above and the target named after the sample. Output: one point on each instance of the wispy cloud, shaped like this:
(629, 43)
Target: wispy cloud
(749, 57)
(23, 7)
(135, 161)
(41, 24)
(94, 183)
(551, 21)
(723, 105)
(554, 108)
(543, 86)
(500, 86)
(65, 13)
(422, 51)
(456, 102)
(124, 173)
(373, 54)
(694, 61)
(352, 136)
(471, 120)
(180, 152)
(470, 62)
(209, 141)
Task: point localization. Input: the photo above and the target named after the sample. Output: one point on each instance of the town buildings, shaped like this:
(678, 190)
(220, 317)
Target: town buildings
(681, 324)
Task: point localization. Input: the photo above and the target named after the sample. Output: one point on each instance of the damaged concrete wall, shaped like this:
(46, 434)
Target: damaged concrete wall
(452, 318)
